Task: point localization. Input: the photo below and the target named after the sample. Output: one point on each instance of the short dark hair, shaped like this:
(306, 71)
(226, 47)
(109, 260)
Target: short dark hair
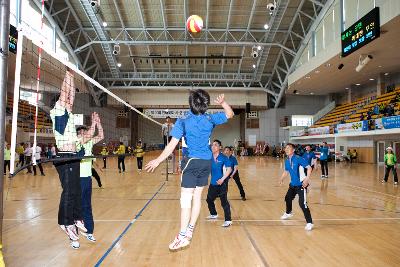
(217, 141)
(139, 142)
(228, 147)
(168, 117)
(291, 145)
(81, 127)
(199, 101)
(121, 143)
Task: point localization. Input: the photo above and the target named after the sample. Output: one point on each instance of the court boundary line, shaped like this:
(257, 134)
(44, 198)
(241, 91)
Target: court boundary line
(100, 261)
(239, 220)
(369, 190)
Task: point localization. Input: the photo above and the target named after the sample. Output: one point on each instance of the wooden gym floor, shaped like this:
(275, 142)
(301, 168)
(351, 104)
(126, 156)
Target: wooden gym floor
(356, 221)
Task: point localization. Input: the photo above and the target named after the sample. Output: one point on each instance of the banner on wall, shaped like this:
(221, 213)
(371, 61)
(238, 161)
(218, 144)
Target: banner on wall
(352, 127)
(318, 130)
(387, 123)
(297, 133)
(172, 113)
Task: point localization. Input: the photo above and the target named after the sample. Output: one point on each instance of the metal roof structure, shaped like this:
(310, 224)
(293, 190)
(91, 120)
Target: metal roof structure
(156, 51)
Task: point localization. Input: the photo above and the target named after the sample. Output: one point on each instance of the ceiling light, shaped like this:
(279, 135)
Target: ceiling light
(308, 77)
(317, 71)
(119, 65)
(347, 88)
(105, 24)
(266, 26)
(358, 84)
(379, 66)
(297, 93)
(254, 66)
(387, 73)
(327, 64)
(311, 93)
(372, 79)
(259, 47)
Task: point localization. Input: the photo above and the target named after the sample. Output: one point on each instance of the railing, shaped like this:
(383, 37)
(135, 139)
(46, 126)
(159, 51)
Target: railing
(324, 111)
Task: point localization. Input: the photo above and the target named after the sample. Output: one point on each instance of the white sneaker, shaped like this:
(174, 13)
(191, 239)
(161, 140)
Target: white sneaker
(326, 176)
(286, 216)
(75, 244)
(189, 234)
(309, 226)
(81, 226)
(227, 224)
(212, 217)
(179, 243)
(395, 183)
(322, 176)
(71, 232)
(91, 238)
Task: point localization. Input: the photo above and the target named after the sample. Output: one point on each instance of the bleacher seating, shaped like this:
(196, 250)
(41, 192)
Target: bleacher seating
(26, 113)
(351, 112)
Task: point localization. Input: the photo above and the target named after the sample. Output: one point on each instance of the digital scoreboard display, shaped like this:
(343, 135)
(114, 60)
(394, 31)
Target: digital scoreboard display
(12, 39)
(361, 33)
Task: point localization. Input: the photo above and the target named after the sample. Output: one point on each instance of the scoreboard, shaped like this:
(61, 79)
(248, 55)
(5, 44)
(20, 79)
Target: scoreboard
(361, 33)
(12, 39)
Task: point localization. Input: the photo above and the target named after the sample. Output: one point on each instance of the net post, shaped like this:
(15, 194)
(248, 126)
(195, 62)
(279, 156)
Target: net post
(166, 165)
(4, 38)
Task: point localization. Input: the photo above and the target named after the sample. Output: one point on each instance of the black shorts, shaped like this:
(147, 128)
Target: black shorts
(195, 172)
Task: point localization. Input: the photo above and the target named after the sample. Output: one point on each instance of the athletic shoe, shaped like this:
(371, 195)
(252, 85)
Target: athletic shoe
(227, 224)
(81, 226)
(71, 232)
(180, 242)
(322, 176)
(309, 226)
(286, 216)
(75, 244)
(189, 233)
(395, 183)
(326, 176)
(212, 217)
(244, 198)
(90, 237)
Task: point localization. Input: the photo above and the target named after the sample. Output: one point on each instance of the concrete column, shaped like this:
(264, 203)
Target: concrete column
(349, 94)
(380, 84)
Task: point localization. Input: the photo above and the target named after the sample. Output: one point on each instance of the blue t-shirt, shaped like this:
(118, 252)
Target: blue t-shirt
(197, 130)
(309, 156)
(217, 167)
(292, 165)
(324, 153)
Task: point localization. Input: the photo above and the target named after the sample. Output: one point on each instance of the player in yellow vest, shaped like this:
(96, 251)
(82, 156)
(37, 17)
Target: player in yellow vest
(104, 152)
(121, 156)
(139, 153)
(7, 158)
(86, 175)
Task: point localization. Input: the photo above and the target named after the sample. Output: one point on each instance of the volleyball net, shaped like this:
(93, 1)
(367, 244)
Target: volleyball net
(51, 98)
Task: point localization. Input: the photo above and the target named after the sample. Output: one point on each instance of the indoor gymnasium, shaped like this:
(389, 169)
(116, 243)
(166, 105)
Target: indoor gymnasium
(199, 133)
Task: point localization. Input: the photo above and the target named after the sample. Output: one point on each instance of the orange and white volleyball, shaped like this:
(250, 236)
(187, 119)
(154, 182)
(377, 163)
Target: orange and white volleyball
(194, 24)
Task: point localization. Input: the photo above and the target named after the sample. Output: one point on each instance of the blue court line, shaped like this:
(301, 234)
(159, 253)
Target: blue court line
(127, 227)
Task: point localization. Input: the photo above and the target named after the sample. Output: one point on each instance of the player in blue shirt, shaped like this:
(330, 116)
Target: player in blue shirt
(310, 158)
(235, 172)
(294, 165)
(323, 159)
(219, 183)
(196, 127)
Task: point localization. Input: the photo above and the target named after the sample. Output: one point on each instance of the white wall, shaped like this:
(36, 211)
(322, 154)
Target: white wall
(227, 133)
(270, 130)
(154, 98)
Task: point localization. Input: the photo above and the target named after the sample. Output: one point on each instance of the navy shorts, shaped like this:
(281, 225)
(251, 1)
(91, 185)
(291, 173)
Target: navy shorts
(195, 172)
